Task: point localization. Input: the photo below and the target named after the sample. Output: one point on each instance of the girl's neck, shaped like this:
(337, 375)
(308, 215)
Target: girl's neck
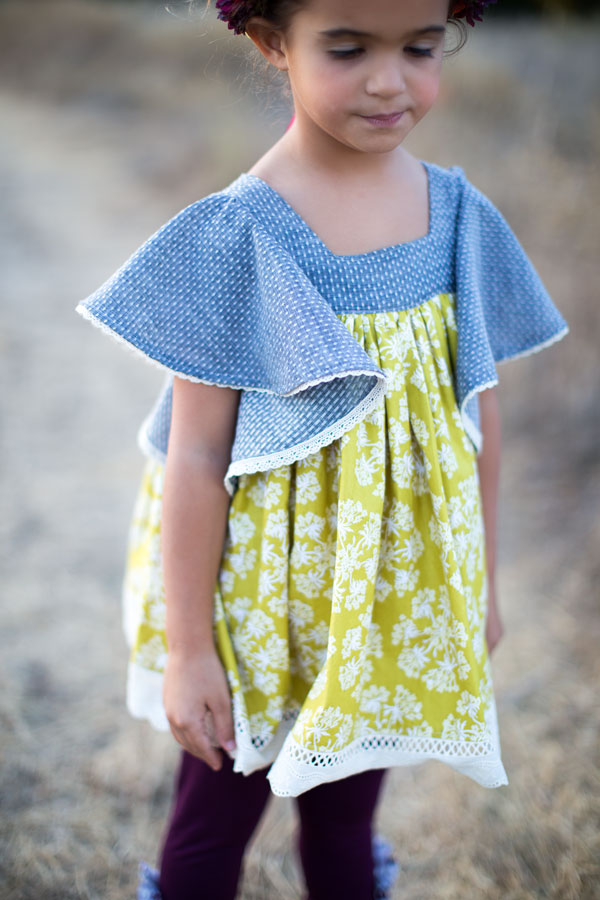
(298, 159)
(336, 196)
(311, 150)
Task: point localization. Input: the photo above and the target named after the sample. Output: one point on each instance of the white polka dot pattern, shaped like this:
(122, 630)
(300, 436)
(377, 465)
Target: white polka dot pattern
(236, 290)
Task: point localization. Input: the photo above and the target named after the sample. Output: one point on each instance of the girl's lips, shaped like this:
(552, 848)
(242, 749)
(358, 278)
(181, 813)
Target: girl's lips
(384, 120)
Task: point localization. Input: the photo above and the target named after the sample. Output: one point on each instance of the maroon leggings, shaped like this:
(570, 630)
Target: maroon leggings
(215, 814)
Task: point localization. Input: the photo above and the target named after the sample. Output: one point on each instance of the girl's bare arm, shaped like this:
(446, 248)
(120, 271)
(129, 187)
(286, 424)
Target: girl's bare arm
(489, 474)
(194, 522)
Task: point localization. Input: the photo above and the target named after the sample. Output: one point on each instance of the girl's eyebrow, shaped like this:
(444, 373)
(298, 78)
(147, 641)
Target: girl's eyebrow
(352, 32)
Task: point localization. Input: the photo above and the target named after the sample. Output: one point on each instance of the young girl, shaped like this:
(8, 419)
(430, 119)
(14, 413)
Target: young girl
(314, 541)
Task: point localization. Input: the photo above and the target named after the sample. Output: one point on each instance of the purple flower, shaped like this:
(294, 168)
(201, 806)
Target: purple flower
(236, 13)
(471, 10)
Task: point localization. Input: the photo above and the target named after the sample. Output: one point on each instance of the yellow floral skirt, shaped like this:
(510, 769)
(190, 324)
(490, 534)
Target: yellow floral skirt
(351, 600)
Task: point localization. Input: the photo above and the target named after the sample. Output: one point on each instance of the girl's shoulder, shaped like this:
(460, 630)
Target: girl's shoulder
(216, 217)
(453, 190)
(248, 211)
(484, 244)
(221, 221)
(222, 229)
(214, 296)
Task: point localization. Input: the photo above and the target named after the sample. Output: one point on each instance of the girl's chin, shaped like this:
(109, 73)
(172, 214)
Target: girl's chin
(359, 136)
(378, 142)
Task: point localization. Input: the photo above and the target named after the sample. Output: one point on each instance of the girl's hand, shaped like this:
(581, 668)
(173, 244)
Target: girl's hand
(198, 705)
(494, 629)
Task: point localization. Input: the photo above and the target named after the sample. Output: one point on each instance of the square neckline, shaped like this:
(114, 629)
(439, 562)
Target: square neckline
(340, 257)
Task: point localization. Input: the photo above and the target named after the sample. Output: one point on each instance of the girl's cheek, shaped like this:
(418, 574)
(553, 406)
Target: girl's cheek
(430, 91)
(338, 90)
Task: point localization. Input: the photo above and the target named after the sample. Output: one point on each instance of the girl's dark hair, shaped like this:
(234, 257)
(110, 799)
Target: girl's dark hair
(280, 12)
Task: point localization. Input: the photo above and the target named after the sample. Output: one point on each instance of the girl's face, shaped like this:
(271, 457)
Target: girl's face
(364, 72)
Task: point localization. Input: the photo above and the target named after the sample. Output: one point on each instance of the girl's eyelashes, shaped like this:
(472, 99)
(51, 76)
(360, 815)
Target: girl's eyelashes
(353, 52)
(346, 53)
(420, 51)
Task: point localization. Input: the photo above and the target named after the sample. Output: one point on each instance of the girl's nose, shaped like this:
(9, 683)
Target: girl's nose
(386, 78)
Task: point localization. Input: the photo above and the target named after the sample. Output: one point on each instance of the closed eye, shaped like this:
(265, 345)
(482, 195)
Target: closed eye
(419, 51)
(348, 53)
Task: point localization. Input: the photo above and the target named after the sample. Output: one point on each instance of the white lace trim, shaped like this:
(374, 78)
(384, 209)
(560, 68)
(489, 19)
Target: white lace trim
(305, 448)
(299, 451)
(295, 769)
(472, 430)
(130, 613)
(298, 769)
(282, 457)
(272, 460)
(537, 347)
(470, 427)
(106, 329)
(144, 696)
(250, 753)
(289, 777)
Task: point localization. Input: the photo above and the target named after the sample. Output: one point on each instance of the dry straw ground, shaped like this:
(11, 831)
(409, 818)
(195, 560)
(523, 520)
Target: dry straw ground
(114, 117)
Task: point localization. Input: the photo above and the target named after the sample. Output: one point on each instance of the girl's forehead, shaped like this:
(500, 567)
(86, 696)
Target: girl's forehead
(375, 16)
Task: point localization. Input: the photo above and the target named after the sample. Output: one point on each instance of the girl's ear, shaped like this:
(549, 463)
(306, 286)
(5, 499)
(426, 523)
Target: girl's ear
(268, 40)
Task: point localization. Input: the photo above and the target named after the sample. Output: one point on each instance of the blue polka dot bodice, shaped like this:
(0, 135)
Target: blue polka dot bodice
(236, 290)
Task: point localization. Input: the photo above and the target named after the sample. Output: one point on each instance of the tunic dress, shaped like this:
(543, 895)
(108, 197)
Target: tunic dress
(350, 604)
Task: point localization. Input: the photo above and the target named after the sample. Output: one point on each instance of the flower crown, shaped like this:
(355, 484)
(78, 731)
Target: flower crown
(471, 11)
(237, 12)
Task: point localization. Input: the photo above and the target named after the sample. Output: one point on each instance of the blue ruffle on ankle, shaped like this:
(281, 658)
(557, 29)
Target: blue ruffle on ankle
(148, 888)
(385, 868)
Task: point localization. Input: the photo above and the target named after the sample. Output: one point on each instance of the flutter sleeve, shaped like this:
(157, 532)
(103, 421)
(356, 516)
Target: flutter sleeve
(213, 297)
(503, 309)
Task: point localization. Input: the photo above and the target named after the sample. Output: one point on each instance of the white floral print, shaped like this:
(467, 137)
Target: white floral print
(351, 598)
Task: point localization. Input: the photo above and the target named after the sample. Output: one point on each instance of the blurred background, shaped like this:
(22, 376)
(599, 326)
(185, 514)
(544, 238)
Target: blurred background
(114, 116)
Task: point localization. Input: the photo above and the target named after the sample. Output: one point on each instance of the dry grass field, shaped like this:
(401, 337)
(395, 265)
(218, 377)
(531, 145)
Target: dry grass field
(113, 118)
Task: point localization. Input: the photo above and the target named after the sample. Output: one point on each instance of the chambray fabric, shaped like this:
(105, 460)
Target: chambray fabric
(237, 290)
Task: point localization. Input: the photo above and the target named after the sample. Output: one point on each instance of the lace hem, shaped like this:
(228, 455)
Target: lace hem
(144, 696)
(305, 448)
(472, 430)
(469, 425)
(298, 769)
(283, 457)
(537, 347)
(295, 769)
(321, 379)
(272, 460)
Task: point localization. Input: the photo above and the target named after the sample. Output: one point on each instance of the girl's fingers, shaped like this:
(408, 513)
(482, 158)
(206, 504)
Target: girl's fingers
(198, 744)
(209, 728)
(223, 724)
